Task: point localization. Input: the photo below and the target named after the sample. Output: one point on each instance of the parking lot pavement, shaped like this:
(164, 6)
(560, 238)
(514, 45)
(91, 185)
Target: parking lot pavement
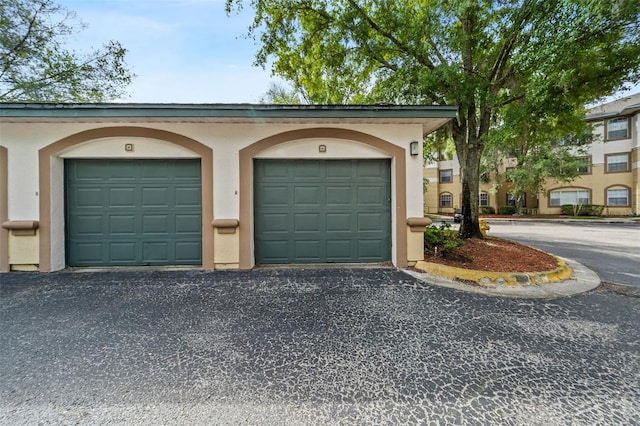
(308, 346)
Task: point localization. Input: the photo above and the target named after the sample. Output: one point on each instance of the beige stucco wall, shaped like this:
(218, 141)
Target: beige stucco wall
(226, 250)
(23, 252)
(597, 182)
(415, 245)
(23, 140)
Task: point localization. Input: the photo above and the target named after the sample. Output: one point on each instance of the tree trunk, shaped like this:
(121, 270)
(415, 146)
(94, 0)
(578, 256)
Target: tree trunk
(519, 202)
(469, 154)
(470, 226)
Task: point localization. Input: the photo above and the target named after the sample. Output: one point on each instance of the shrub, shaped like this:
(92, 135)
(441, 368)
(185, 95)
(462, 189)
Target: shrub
(507, 210)
(439, 239)
(487, 210)
(583, 210)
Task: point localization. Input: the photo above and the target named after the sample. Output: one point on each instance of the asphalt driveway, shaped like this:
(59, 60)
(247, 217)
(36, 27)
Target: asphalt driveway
(610, 249)
(308, 346)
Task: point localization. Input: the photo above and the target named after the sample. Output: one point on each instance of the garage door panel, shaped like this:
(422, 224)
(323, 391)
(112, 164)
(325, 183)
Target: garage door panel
(274, 170)
(338, 195)
(188, 251)
(370, 222)
(273, 222)
(122, 225)
(92, 170)
(122, 197)
(118, 171)
(89, 197)
(338, 222)
(188, 224)
(273, 251)
(155, 224)
(308, 250)
(307, 222)
(121, 214)
(371, 169)
(155, 251)
(184, 171)
(306, 170)
(307, 196)
(155, 197)
(187, 197)
(123, 252)
(325, 217)
(88, 225)
(340, 250)
(370, 249)
(90, 252)
(339, 169)
(157, 170)
(371, 196)
(274, 196)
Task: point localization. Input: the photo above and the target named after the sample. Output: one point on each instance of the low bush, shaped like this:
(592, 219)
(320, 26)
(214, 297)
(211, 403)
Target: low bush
(507, 210)
(583, 210)
(440, 239)
(487, 210)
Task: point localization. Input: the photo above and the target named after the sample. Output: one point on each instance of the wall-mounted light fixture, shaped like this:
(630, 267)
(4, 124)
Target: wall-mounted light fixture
(414, 148)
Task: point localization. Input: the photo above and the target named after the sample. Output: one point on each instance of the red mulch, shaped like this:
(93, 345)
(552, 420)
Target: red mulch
(494, 254)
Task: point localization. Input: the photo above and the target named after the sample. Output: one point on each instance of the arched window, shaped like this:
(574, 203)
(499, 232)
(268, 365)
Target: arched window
(618, 196)
(446, 199)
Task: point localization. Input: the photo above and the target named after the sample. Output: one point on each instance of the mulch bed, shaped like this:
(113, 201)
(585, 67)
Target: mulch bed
(497, 255)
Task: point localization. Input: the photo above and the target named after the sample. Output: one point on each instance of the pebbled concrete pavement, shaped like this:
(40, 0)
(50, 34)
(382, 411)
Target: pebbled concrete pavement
(309, 347)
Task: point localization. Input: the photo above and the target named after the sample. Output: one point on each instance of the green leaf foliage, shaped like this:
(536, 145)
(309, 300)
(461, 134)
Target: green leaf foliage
(506, 210)
(582, 210)
(440, 239)
(280, 94)
(36, 66)
(515, 63)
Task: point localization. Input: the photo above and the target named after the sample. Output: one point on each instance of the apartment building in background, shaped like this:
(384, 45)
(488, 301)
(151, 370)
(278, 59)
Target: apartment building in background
(609, 177)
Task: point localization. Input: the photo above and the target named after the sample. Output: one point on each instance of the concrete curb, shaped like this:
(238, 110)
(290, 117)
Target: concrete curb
(580, 280)
(491, 279)
(541, 220)
(525, 219)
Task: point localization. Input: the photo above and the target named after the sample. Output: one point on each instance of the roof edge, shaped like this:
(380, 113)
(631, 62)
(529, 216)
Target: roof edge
(106, 110)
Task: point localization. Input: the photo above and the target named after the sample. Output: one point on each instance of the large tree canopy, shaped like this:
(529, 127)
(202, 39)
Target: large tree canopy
(550, 56)
(36, 66)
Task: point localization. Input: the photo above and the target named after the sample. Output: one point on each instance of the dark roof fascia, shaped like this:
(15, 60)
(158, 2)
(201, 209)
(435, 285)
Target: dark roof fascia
(121, 110)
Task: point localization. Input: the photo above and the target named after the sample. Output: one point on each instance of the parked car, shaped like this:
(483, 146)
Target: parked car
(457, 216)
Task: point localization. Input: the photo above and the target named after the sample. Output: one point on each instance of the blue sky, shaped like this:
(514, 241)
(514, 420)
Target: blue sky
(181, 50)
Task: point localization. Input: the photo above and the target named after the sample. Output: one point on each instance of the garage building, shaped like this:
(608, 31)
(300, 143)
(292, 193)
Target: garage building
(213, 186)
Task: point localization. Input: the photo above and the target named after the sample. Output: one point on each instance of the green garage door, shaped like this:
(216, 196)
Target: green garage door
(309, 211)
(133, 212)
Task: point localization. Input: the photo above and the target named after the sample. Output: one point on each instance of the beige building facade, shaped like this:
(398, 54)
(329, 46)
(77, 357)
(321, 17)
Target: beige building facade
(610, 176)
(214, 186)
